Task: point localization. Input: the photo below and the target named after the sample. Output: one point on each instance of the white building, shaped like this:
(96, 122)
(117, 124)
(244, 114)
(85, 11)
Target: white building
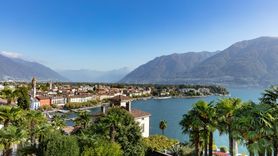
(58, 100)
(35, 104)
(143, 118)
(80, 98)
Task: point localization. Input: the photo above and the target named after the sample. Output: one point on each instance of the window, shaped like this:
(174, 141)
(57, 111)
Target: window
(143, 128)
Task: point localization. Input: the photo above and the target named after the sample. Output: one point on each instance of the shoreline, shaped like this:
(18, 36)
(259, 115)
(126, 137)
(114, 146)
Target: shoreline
(181, 96)
(133, 99)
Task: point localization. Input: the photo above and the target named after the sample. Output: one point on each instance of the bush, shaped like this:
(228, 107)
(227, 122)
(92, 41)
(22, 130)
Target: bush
(223, 149)
(75, 105)
(159, 143)
(54, 106)
(181, 150)
(45, 107)
(56, 144)
(103, 148)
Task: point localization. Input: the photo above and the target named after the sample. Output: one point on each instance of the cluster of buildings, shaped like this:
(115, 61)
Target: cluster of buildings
(62, 94)
(116, 96)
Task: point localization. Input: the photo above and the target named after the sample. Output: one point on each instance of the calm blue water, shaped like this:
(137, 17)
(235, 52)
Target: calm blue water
(172, 110)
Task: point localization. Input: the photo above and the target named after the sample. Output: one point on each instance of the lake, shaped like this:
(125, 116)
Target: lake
(172, 110)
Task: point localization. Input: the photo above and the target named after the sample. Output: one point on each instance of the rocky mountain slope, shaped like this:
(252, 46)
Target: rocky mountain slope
(246, 63)
(22, 70)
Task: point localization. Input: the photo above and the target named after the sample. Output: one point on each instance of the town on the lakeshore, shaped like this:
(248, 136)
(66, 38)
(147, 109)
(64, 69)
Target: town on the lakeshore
(61, 97)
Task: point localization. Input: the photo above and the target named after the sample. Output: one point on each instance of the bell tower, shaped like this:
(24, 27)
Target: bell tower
(34, 87)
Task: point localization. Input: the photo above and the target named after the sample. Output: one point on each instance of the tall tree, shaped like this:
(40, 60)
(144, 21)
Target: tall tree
(192, 125)
(163, 125)
(270, 97)
(253, 124)
(225, 111)
(34, 119)
(119, 126)
(207, 114)
(23, 100)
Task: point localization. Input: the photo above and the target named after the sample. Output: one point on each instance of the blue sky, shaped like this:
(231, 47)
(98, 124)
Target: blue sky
(110, 34)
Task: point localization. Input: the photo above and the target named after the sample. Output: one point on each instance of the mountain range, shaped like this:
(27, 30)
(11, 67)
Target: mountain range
(245, 63)
(17, 69)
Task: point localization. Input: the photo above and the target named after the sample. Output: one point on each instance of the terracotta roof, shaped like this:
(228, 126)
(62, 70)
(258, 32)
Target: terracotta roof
(120, 98)
(136, 113)
(42, 97)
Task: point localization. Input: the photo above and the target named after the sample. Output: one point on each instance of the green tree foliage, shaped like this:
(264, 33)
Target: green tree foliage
(84, 119)
(23, 100)
(255, 127)
(58, 122)
(191, 124)
(10, 115)
(159, 143)
(10, 135)
(226, 109)
(163, 126)
(182, 150)
(75, 105)
(56, 144)
(33, 121)
(119, 126)
(270, 97)
(8, 94)
(102, 147)
(200, 123)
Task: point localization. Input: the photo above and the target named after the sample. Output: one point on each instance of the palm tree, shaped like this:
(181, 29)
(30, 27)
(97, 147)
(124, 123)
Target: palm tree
(225, 110)
(163, 126)
(9, 94)
(253, 124)
(192, 125)
(10, 115)
(83, 119)
(33, 120)
(207, 115)
(10, 135)
(270, 97)
(58, 121)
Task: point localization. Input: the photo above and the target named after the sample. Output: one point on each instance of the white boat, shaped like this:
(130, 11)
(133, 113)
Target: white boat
(164, 97)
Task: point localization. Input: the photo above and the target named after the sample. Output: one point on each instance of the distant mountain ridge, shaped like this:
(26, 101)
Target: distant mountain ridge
(166, 67)
(246, 63)
(21, 70)
(85, 75)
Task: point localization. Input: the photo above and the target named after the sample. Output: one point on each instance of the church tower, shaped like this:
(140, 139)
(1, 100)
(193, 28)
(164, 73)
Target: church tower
(34, 87)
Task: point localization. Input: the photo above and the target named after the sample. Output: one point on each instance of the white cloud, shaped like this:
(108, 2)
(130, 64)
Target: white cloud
(11, 54)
